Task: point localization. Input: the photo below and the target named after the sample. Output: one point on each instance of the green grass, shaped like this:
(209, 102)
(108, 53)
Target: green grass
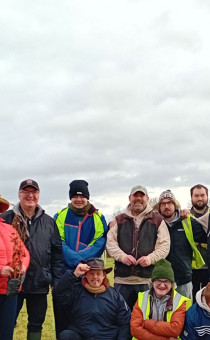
(48, 332)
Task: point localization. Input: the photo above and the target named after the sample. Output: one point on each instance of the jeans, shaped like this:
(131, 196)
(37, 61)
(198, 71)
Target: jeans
(8, 304)
(36, 305)
(185, 290)
(130, 292)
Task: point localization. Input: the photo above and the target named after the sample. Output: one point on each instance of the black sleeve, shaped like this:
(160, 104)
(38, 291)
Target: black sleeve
(198, 232)
(67, 289)
(57, 260)
(8, 216)
(208, 248)
(123, 319)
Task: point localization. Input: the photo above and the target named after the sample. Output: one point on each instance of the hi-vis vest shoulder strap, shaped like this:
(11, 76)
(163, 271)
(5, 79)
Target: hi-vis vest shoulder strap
(99, 227)
(197, 261)
(144, 305)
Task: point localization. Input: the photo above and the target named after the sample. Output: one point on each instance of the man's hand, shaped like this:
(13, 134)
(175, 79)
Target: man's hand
(23, 270)
(111, 224)
(144, 261)
(184, 213)
(129, 260)
(81, 269)
(7, 271)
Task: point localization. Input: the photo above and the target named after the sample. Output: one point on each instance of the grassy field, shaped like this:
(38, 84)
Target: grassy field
(48, 332)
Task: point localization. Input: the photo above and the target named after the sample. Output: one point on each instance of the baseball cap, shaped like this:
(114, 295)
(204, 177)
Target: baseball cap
(27, 183)
(138, 188)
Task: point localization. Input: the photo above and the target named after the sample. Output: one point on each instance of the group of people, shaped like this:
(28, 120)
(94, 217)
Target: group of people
(162, 264)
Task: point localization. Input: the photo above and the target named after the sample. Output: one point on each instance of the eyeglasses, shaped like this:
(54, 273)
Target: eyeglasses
(165, 282)
(28, 192)
(163, 204)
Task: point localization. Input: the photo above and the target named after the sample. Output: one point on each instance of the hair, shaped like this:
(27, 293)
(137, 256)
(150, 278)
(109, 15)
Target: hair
(198, 186)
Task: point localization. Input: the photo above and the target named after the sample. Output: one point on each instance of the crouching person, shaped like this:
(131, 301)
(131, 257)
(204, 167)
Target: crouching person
(159, 313)
(95, 310)
(197, 323)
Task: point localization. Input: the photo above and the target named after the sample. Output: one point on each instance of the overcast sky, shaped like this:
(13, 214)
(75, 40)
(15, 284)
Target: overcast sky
(115, 92)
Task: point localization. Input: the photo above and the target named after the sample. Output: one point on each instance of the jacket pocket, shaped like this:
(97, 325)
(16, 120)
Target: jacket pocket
(42, 277)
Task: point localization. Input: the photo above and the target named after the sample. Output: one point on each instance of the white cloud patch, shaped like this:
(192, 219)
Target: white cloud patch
(116, 93)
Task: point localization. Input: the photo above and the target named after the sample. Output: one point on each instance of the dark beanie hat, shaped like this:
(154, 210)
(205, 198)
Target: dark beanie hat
(163, 270)
(79, 187)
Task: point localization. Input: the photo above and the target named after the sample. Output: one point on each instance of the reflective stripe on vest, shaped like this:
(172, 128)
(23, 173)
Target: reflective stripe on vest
(99, 227)
(197, 261)
(144, 305)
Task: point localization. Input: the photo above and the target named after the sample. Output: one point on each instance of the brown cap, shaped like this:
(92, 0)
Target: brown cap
(4, 204)
(98, 264)
(28, 183)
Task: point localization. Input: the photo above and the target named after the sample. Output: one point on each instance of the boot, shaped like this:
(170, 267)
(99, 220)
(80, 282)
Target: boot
(34, 336)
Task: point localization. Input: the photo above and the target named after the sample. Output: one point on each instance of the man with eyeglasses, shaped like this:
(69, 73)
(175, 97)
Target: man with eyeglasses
(41, 237)
(183, 233)
(138, 238)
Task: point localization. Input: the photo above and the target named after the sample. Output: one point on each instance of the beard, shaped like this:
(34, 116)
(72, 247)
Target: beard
(200, 207)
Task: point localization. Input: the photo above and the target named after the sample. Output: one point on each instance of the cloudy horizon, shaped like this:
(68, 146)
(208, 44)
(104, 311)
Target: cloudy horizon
(113, 92)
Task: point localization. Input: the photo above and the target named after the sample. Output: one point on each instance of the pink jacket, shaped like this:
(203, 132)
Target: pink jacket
(7, 233)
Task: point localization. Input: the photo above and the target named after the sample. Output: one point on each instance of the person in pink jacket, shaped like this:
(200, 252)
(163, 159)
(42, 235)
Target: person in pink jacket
(14, 260)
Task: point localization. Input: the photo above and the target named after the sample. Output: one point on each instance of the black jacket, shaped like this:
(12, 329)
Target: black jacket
(103, 316)
(44, 245)
(180, 254)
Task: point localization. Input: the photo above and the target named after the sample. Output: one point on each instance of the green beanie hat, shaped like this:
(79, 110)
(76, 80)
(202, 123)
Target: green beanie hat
(163, 270)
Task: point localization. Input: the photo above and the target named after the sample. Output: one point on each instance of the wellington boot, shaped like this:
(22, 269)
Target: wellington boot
(34, 336)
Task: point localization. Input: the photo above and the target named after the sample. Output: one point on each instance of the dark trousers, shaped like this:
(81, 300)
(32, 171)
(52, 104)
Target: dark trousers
(69, 335)
(8, 304)
(36, 305)
(62, 317)
(130, 292)
(199, 280)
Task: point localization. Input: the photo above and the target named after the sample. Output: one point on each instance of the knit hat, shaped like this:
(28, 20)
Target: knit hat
(163, 270)
(206, 292)
(4, 204)
(79, 187)
(167, 194)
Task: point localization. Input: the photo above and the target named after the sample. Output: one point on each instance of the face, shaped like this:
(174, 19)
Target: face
(199, 198)
(29, 198)
(161, 287)
(95, 277)
(138, 202)
(167, 208)
(79, 201)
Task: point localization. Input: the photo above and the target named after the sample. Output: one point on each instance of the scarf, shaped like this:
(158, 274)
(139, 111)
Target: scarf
(81, 212)
(97, 290)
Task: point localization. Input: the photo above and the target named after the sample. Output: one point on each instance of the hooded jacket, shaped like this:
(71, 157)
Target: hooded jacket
(94, 316)
(44, 245)
(197, 322)
(142, 235)
(148, 329)
(81, 239)
(7, 234)
(181, 254)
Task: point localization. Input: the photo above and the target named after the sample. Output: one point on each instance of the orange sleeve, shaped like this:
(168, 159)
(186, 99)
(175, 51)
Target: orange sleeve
(169, 329)
(138, 329)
